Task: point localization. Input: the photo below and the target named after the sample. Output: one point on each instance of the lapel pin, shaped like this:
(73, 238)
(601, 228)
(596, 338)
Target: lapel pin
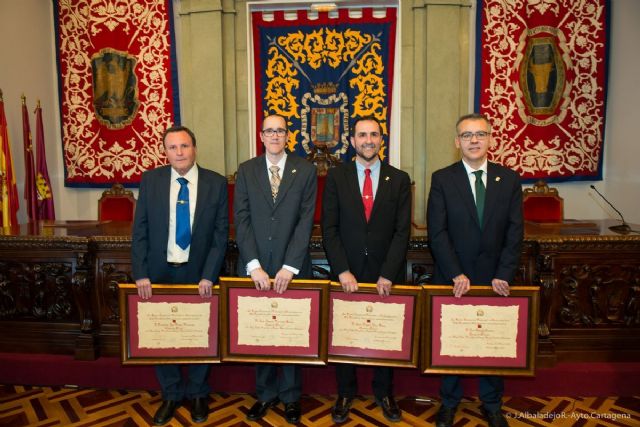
(386, 178)
(293, 171)
(497, 179)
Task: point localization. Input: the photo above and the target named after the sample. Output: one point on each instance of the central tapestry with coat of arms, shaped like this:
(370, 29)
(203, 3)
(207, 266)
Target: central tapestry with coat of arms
(321, 74)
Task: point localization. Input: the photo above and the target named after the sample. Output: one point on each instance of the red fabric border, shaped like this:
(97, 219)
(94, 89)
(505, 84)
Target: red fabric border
(519, 361)
(403, 354)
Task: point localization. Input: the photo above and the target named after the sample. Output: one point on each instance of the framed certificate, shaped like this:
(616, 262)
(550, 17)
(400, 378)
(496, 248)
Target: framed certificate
(264, 326)
(481, 332)
(175, 325)
(366, 329)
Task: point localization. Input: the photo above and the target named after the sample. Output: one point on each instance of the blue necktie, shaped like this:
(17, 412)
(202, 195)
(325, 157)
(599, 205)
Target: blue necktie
(183, 227)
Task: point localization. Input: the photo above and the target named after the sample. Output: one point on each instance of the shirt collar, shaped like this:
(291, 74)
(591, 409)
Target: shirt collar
(280, 163)
(471, 170)
(374, 168)
(191, 175)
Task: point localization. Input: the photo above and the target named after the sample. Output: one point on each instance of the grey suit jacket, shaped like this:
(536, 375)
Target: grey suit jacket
(209, 232)
(458, 243)
(275, 233)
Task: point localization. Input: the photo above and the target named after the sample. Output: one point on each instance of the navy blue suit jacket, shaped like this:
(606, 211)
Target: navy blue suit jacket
(458, 243)
(209, 232)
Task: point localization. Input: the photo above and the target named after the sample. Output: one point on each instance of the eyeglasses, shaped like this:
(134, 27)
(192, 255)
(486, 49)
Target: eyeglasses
(468, 136)
(271, 132)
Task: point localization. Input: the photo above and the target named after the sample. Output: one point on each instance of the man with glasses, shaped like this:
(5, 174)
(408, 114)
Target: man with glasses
(366, 222)
(475, 228)
(274, 202)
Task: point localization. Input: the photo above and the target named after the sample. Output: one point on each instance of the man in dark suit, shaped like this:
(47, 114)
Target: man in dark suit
(180, 234)
(366, 217)
(274, 203)
(475, 227)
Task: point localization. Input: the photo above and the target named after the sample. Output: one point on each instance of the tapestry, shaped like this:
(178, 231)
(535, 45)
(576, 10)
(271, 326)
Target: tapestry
(321, 74)
(542, 82)
(118, 88)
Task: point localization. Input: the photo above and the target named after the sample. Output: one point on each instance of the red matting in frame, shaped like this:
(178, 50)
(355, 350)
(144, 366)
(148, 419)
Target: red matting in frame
(407, 356)
(525, 298)
(232, 289)
(132, 353)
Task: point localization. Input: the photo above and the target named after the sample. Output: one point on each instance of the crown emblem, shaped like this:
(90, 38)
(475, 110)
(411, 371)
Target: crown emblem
(325, 88)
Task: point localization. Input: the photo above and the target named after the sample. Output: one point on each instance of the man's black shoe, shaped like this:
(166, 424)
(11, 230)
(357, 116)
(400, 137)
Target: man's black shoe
(260, 408)
(340, 411)
(292, 412)
(165, 412)
(390, 408)
(495, 419)
(445, 416)
(199, 410)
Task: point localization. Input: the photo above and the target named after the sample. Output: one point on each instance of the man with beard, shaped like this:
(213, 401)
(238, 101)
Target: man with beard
(366, 220)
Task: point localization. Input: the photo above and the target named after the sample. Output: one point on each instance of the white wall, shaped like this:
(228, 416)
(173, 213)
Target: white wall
(27, 49)
(28, 66)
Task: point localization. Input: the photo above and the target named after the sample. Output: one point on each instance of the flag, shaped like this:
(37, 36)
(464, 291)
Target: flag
(46, 210)
(8, 188)
(30, 191)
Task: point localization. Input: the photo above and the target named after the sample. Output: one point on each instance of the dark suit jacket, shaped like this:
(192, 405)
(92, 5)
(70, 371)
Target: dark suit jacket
(209, 232)
(275, 233)
(367, 249)
(458, 244)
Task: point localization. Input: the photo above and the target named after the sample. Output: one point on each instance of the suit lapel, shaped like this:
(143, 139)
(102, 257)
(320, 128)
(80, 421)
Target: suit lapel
(382, 193)
(288, 177)
(162, 193)
(494, 181)
(354, 189)
(203, 193)
(261, 178)
(461, 180)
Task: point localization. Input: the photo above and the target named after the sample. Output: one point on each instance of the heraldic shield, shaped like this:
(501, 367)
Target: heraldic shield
(115, 88)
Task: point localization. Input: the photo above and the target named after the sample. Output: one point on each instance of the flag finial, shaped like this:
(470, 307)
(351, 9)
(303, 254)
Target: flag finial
(24, 99)
(1, 97)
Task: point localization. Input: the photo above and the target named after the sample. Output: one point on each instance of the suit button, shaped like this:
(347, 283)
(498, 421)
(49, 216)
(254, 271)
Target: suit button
(269, 237)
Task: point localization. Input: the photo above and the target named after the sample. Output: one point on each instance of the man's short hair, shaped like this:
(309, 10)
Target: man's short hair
(174, 129)
(364, 119)
(473, 116)
(284, 119)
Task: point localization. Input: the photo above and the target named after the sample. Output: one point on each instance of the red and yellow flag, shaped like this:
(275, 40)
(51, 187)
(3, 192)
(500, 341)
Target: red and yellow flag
(30, 190)
(46, 210)
(8, 188)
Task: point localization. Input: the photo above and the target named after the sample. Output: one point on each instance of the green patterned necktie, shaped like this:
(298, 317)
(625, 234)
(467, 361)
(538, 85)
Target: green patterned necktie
(480, 193)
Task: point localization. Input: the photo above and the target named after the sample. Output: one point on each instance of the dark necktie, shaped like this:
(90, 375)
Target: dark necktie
(480, 193)
(183, 227)
(367, 194)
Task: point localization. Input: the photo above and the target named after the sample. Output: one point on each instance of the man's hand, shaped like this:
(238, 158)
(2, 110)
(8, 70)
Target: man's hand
(144, 288)
(348, 281)
(461, 285)
(384, 286)
(260, 279)
(500, 287)
(282, 280)
(204, 288)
